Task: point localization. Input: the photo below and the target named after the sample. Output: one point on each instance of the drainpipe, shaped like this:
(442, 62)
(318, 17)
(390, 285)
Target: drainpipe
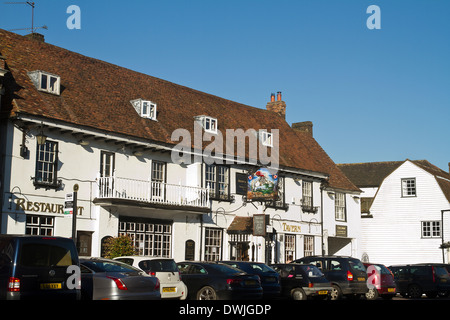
(3, 125)
(322, 187)
(442, 234)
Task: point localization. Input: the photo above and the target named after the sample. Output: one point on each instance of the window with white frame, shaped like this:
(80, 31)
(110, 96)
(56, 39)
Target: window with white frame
(213, 244)
(158, 179)
(431, 229)
(289, 248)
(409, 187)
(39, 225)
(308, 249)
(149, 238)
(339, 205)
(216, 178)
(148, 109)
(266, 138)
(209, 124)
(307, 196)
(47, 164)
(145, 108)
(46, 82)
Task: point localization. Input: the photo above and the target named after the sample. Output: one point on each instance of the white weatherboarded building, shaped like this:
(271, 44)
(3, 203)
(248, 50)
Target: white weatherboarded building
(405, 211)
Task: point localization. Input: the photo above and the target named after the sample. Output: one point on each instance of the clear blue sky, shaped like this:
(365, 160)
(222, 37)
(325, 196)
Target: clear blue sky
(373, 95)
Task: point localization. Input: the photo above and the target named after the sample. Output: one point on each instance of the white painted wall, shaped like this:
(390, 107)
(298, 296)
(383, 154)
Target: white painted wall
(393, 235)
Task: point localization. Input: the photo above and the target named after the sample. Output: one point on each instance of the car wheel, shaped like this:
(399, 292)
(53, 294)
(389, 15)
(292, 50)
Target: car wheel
(372, 294)
(414, 291)
(206, 293)
(298, 294)
(336, 293)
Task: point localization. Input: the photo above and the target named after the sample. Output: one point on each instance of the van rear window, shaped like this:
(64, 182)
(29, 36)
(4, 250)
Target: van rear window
(42, 255)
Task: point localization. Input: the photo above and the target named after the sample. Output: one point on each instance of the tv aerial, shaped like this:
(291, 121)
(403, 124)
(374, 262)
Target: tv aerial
(32, 5)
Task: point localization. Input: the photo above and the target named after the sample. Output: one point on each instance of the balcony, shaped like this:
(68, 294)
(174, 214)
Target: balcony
(123, 191)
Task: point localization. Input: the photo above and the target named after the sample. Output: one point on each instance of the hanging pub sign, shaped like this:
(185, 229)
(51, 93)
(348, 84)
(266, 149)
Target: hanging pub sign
(262, 186)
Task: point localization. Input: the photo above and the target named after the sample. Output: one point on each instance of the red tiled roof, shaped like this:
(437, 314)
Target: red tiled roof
(97, 94)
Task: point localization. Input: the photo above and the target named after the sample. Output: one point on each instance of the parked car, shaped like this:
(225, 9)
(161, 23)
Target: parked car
(270, 280)
(302, 281)
(105, 279)
(347, 275)
(417, 279)
(218, 281)
(165, 269)
(383, 281)
(36, 267)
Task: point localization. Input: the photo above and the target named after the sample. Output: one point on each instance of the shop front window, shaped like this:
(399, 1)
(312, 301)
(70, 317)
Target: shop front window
(149, 239)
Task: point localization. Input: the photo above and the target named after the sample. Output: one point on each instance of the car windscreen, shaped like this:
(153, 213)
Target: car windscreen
(159, 265)
(108, 266)
(46, 254)
(356, 264)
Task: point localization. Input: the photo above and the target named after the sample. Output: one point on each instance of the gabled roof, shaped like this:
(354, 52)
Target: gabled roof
(96, 94)
(369, 174)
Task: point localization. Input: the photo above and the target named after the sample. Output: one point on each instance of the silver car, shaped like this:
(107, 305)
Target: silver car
(165, 269)
(104, 279)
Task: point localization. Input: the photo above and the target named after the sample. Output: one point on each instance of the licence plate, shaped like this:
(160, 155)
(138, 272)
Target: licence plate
(361, 279)
(51, 286)
(271, 279)
(250, 282)
(169, 289)
(323, 292)
(391, 289)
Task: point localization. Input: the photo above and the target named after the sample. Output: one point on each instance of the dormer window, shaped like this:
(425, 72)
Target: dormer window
(145, 108)
(148, 110)
(46, 82)
(209, 124)
(266, 138)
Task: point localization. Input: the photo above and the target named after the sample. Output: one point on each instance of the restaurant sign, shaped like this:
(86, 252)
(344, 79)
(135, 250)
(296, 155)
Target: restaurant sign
(42, 207)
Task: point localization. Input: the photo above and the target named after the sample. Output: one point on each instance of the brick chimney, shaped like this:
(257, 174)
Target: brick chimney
(36, 36)
(306, 127)
(278, 106)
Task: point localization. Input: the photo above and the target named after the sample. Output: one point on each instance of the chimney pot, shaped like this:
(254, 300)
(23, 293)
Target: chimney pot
(278, 106)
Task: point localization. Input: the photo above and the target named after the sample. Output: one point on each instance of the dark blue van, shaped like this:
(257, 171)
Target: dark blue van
(38, 267)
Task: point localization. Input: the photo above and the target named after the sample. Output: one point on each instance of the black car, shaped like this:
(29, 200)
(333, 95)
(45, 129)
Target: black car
(302, 281)
(36, 267)
(218, 281)
(347, 275)
(270, 280)
(417, 279)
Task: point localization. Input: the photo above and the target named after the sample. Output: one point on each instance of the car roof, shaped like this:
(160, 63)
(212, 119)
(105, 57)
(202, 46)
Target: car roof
(235, 261)
(140, 258)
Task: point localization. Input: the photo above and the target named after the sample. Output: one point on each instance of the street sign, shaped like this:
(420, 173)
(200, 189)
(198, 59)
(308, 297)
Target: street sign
(68, 204)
